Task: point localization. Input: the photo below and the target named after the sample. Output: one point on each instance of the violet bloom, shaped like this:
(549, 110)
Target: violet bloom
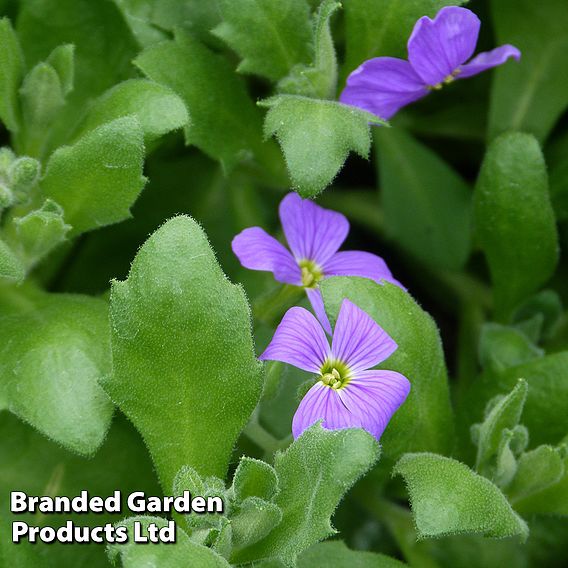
(314, 235)
(437, 53)
(346, 394)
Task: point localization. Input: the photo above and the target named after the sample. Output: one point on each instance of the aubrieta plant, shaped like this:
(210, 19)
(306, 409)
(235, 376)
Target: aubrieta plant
(223, 271)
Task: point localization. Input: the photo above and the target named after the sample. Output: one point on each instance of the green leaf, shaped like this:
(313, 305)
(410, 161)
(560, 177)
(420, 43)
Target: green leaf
(425, 421)
(254, 478)
(319, 79)
(547, 399)
(316, 137)
(314, 472)
(537, 470)
(53, 352)
(195, 17)
(42, 99)
(23, 175)
(225, 123)
(187, 479)
(546, 500)
(191, 385)
(254, 520)
(427, 204)
(546, 306)
(11, 267)
(38, 466)
(223, 543)
(501, 347)
(558, 171)
(501, 414)
(97, 180)
(172, 555)
(335, 553)
(104, 49)
(449, 498)
(62, 59)
(37, 233)
(158, 109)
(514, 219)
(281, 38)
(382, 27)
(11, 73)
(531, 95)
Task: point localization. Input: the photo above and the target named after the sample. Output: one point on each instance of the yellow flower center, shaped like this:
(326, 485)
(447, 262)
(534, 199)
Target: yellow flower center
(335, 375)
(449, 79)
(311, 273)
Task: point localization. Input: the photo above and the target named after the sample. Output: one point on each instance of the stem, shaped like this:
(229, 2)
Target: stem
(398, 521)
(271, 306)
(264, 439)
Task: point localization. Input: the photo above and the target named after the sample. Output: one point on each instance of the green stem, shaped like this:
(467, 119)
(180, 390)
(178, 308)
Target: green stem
(398, 521)
(270, 307)
(255, 432)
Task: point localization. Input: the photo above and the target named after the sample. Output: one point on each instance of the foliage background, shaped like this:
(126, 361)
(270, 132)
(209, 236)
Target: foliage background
(153, 111)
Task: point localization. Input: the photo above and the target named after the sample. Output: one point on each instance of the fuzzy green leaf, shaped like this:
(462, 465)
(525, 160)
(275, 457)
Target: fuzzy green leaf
(225, 123)
(537, 470)
(314, 472)
(104, 49)
(195, 17)
(254, 519)
(172, 555)
(501, 347)
(531, 95)
(97, 179)
(11, 267)
(53, 354)
(187, 479)
(281, 38)
(424, 422)
(42, 99)
(542, 492)
(316, 137)
(184, 366)
(547, 399)
(158, 109)
(504, 413)
(427, 204)
(62, 59)
(335, 553)
(37, 233)
(449, 498)
(319, 79)
(382, 27)
(38, 466)
(514, 219)
(11, 72)
(254, 478)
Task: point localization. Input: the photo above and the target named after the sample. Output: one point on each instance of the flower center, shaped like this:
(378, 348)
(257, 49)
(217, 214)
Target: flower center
(311, 273)
(335, 375)
(449, 79)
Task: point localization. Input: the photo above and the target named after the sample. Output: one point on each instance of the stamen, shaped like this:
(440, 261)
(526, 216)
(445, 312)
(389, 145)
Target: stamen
(333, 379)
(311, 273)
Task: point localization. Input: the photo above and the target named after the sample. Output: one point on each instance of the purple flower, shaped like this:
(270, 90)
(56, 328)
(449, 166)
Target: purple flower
(437, 53)
(346, 394)
(314, 235)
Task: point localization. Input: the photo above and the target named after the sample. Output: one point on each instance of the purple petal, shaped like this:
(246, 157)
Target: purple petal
(358, 340)
(374, 396)
(257, 250)
(299, 340)
(368, 401)
(316, 300)
(359, 263)
(488, 59)
(312, 232)
(323, 403)
(438, 47)
(382, 86)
